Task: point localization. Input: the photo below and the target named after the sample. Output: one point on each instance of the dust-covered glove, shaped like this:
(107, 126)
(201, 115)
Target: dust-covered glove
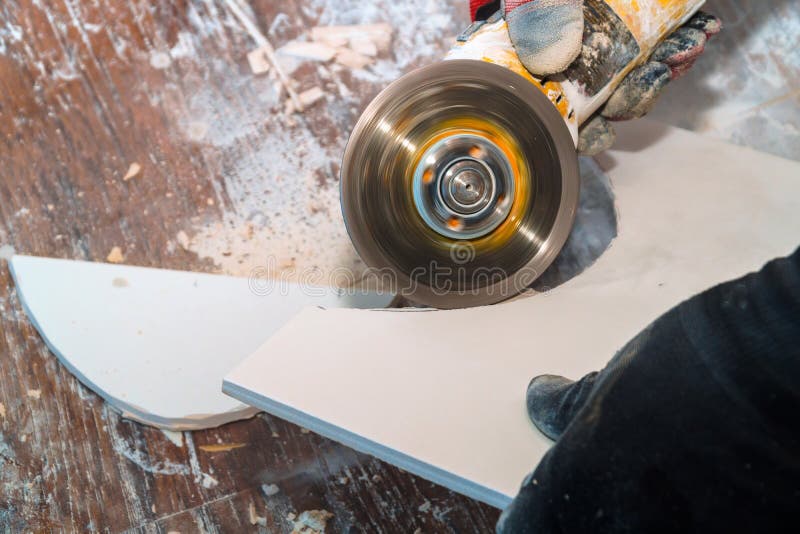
(548, 35)
(639, 91)
(694, 426)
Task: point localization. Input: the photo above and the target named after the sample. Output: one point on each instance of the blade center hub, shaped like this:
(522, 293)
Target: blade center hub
(467, 186)
(463, 186)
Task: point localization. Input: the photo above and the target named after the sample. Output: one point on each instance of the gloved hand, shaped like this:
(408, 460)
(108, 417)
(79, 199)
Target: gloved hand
(548, 35)
(694, 426)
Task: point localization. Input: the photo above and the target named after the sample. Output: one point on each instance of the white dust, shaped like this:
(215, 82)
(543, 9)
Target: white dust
(279, 181)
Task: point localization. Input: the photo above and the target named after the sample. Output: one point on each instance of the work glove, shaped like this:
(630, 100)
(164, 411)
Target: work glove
(548, 35)
(694, 426)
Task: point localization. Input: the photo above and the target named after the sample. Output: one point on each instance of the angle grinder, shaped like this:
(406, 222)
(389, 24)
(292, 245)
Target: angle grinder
(460, 181)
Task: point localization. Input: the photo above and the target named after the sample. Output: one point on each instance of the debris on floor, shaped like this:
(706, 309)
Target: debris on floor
(183, 240)
(208, 481)
(307, 98)
(270, 489)
(352, 59)
(379, 34)
(258, 61)
(160, 60)
(255, 519)
(354, 47)
(265, 46)
(133, 171)
(222, 447)
(308, 50)
(115, 256)
(311, 522)
(280, 215)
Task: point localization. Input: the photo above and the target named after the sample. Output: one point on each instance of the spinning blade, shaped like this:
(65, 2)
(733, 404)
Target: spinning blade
(459, 184)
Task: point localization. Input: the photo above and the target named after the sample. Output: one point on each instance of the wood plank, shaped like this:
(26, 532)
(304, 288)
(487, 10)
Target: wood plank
(80, 101)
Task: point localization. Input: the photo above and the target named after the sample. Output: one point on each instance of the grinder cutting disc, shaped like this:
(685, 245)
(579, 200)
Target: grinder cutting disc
(459, 184)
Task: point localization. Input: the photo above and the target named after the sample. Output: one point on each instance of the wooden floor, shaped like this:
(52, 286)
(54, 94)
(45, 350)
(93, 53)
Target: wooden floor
(88, 87)
(85, 92)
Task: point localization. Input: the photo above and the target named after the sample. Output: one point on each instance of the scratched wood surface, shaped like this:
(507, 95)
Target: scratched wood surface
(89, 86)
(85, 90)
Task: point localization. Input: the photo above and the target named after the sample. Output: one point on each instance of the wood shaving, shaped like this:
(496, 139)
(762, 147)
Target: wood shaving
(258, 61)
(115, 256)
(2, 410)
(308, 50)
(333, 41)
(352, 59)
(35, 393)
(266, 207)
(183, 240)
(312, 522)
(133, 171)
(262, 41)
(307, 98)
(364, 45)
(255, 519)
(222, 447)
(380, 34)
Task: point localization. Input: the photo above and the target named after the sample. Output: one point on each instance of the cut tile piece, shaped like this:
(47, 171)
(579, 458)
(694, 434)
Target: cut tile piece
(442, 393)
(155, 343)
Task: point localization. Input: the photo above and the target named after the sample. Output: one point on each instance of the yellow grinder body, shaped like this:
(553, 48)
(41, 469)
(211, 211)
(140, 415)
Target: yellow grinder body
(460, 181)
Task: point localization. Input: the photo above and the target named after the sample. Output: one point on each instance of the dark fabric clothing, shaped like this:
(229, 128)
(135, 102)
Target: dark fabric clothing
(694, 426)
